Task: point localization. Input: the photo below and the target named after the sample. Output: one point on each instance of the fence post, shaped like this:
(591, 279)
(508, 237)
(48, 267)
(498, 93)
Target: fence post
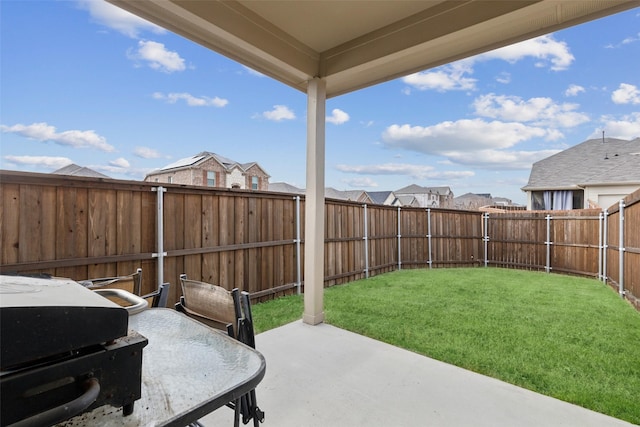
(485, 238)
(621, 251)
(365, 240)
(605, 246)
(298, 239)
(160, 234)
(548, 244)
(600, 246)
(429, 260)
(399, 249)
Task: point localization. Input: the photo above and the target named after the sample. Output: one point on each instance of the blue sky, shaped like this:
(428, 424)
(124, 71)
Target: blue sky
(84, 82)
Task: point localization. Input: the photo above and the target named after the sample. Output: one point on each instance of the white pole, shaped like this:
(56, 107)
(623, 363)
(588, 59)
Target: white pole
(429, 261)
(298, 238)
(366, 243)
(486, 239)
(605, 246)
(160, 234)
(548, 243)
(600, 221)
(621, 251)
(399, 248)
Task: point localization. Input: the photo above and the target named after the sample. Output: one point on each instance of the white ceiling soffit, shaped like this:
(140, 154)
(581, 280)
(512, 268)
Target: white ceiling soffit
(354, 43)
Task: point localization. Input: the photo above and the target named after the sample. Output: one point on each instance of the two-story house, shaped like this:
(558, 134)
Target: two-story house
(427, 197)
(212, 170)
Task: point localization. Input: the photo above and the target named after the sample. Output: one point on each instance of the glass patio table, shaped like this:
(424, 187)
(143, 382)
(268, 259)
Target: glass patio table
(188, 371)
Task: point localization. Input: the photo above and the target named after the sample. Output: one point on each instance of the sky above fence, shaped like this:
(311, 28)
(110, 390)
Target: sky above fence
(84, 82)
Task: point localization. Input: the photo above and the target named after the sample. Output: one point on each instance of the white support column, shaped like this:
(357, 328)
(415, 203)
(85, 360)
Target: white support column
(314, 205)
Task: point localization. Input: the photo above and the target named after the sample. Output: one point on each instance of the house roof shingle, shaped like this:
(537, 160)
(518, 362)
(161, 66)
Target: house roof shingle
(593, 162)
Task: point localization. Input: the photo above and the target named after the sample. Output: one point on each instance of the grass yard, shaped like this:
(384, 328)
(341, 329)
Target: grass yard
(567, 337)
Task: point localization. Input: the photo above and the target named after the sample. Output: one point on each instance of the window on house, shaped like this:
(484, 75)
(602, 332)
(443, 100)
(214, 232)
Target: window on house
(254, 182)
(170, 180)
(211, 179)
(557, 200)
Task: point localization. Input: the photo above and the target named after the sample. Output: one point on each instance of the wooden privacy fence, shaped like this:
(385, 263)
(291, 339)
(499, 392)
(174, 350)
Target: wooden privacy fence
(89, 227)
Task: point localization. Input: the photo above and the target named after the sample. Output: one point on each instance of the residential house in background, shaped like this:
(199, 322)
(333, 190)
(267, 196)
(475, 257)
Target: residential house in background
(384, 198)
(484, 202)
(359, 196)
(283, 187)
(427, 197)
(75, 170)
(411, 196)
(595, 173)
(212, 170)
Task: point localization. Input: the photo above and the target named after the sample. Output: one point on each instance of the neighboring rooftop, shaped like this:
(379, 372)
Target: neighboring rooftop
(593, 162)
(417, 189)
(75, 170)
(193, 160)
(283, 187)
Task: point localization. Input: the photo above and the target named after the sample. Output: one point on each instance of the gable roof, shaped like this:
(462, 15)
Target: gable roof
(283, 187)
(417, 189)
(189, 162)
(350, 195)
(379, 197)
(75, 170)
(593, 162)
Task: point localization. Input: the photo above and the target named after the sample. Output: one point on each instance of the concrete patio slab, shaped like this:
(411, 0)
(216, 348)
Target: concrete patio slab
(325, 376)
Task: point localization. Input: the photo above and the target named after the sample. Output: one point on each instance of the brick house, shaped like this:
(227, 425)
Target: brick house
(212, 170)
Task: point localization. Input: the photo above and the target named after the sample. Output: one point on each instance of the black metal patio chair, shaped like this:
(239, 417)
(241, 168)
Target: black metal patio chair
(229, 311)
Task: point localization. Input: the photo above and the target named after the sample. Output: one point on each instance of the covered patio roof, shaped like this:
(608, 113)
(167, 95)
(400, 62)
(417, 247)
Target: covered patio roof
(328, 48)
(354, 44)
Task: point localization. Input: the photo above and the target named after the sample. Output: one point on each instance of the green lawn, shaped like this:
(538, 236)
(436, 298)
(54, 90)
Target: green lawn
(567, 337)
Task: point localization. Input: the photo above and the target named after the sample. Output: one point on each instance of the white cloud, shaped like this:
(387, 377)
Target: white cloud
(545, 48)
(499, 159)
(626, 94)
(414, 171)
(504, 78)
(538, 111)
(625, 127)
(455, 76)
(146, 153)
(252, 72)
(40, 161)
(573, 90)
(279, 113)
(120, 163)
(192, 101)
(338, 117)
(74, 138)
(448, 77)
(118, 19)
(467, 135)
(476, 143)
(360, 182)
(157, 57)
(631, 39)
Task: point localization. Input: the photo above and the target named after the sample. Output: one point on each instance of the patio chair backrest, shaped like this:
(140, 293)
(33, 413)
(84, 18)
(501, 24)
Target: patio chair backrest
(223, 309)
(211, 302)
(130, 283)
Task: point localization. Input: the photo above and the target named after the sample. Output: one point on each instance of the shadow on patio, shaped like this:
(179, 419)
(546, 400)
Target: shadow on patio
(325, 376)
